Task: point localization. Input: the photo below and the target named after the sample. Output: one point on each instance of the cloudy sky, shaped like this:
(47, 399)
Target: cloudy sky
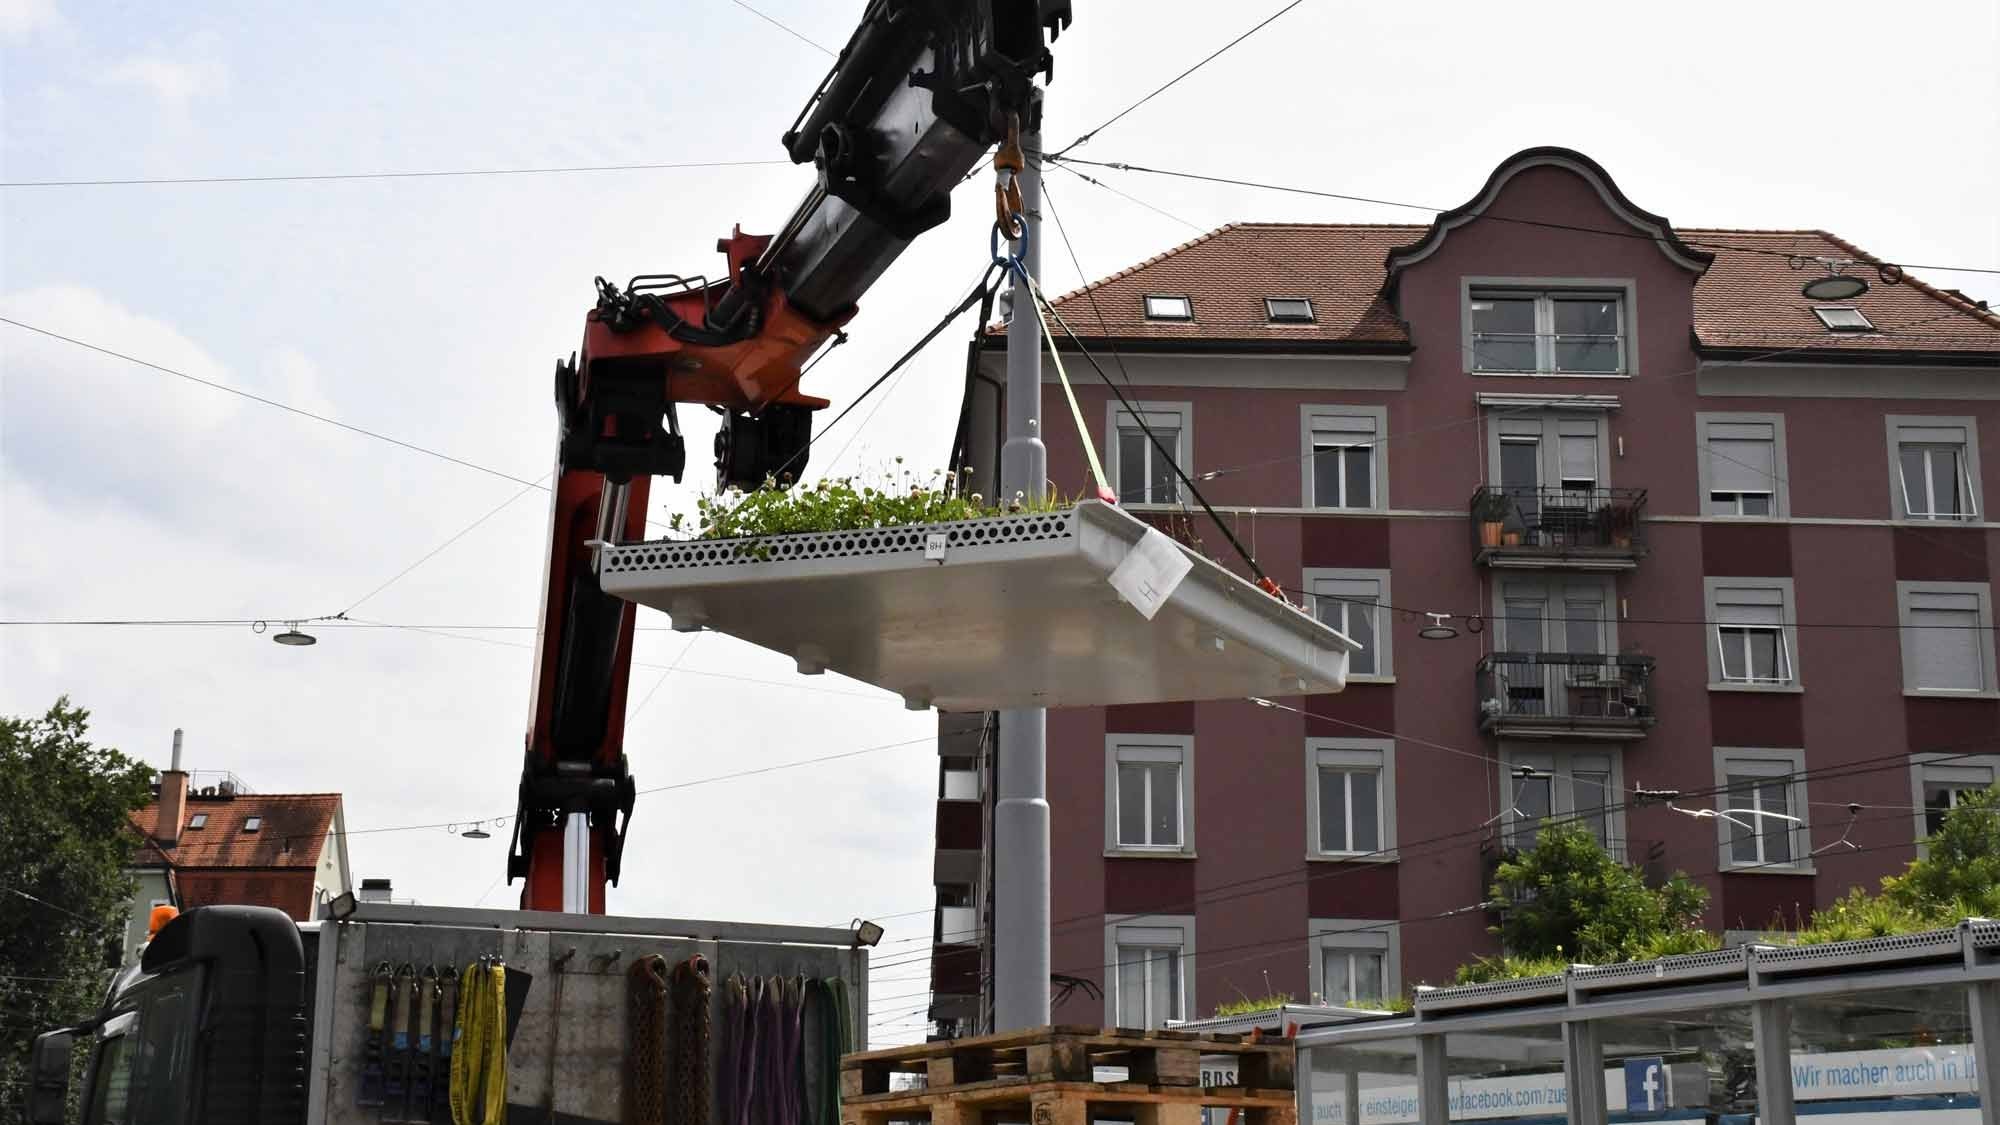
(432, 310)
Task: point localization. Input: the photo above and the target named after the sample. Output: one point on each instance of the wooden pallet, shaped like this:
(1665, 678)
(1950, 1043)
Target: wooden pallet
(1045, 1076)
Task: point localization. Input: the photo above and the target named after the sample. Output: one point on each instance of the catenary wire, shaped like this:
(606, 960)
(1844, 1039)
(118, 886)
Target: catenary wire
(409, 175)
(1697, 241)
(440, 548)
(784, 28)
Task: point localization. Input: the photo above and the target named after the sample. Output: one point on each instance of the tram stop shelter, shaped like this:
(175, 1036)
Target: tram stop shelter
(1897, 1030)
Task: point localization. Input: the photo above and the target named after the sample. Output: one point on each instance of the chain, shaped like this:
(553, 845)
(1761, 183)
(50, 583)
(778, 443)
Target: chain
(691, 1027)
(646, 1063)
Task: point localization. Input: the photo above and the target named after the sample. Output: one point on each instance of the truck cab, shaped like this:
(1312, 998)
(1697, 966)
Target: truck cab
(210, 1026)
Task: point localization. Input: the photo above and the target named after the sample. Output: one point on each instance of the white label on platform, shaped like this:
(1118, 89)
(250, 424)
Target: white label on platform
(1150, 572)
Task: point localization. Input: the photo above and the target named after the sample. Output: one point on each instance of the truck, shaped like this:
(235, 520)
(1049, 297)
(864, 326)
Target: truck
(238, 1014)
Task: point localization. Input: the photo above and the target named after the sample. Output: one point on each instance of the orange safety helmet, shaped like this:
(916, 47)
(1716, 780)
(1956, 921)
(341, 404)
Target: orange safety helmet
(161, 915)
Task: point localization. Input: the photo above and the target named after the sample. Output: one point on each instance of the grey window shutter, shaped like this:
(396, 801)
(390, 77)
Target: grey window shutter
(1743, 457)
(1749, 606)
(1945, 641)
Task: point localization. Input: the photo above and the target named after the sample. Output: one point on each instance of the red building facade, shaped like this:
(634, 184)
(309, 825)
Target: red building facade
(1738, 550)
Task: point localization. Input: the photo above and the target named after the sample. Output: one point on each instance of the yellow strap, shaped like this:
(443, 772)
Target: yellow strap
(1062, 376)
(479, 1054)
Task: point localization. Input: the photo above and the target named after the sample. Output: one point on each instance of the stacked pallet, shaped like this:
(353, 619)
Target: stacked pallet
(1047, 1077)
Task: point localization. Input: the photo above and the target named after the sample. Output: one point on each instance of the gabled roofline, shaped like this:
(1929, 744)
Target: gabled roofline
(1670, 244)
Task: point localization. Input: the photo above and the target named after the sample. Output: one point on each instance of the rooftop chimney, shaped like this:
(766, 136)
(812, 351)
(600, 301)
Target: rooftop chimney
(374, 890)
(173, 799)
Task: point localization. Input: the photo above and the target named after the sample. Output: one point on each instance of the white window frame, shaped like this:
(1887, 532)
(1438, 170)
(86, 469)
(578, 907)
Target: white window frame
(253, 823)
(1716, 592)
(1821, 312)
(1361, 935)
(1899, 425)
(1544, 290)
(1947, 768)
(1157, 414)
(1271, 312)
(1781, 491)
(1148, 931)
(953, 780)
(1175, 748)
(1989, 686)
(1561, 765)
(1764, 762)
(1377, 754)
(1383, 618)
(1187, 302)
(1310, 415)
(197, 820)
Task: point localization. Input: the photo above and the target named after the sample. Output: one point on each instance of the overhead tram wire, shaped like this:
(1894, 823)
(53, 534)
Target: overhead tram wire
(426, 174)
(1284, 878)
(468, 529)
(1697, 241)
(1171, 82)
(827, 51)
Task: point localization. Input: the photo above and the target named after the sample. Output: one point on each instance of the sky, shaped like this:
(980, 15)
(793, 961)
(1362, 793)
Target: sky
(432, 310)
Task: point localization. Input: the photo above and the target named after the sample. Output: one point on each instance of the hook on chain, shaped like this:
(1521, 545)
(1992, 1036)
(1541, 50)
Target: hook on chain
(1008, 164)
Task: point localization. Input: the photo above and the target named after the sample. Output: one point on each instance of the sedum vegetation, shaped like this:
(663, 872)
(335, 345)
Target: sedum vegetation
(900, 499)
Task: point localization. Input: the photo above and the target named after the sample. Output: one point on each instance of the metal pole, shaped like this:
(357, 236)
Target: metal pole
(1021, 806)
(1771, 1037)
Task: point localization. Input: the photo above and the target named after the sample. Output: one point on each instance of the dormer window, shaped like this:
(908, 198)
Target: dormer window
(1842, 318)
(198, 820)
(1288, 310)
(252, 823)
(1165, 307)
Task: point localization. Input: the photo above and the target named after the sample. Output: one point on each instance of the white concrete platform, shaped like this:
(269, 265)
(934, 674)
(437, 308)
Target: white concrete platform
(1012, 611)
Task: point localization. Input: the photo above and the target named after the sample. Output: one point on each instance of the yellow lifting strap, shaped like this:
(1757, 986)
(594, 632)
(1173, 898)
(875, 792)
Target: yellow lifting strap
(1045, 314)
(479, 1053)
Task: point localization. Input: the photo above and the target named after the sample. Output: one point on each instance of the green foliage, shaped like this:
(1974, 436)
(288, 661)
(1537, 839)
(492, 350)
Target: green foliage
(1247, 1005)
(1569, 900)
(1960, 873)
(851, 504)
(1401, 1004)
(1505, 967)
(64, 845)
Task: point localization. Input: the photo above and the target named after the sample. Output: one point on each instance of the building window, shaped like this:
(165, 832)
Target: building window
(1742, 459)
(1351, 602)
(1761, 811)
(1753, 635)
(1934, 465)
(1160, 306)
(1571, 786)
(1547, 332)
(252, 823)
(1154, 967)
(1947, 630)
(1288, 310)
(960, 781)
(1842, 318)
(1141, 473)
(1940, 781)
(1149, 793)
(1354, 961)
(1351, 798)
(1343, 456)
(198, 820)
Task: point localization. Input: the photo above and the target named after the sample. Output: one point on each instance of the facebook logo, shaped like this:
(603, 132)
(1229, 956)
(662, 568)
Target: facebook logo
(1645, 1085)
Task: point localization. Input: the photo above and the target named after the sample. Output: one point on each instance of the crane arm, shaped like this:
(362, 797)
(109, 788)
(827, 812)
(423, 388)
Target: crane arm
(918, 94)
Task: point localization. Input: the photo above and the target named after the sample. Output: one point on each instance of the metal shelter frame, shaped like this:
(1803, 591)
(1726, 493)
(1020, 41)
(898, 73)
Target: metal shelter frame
(1429, 1055)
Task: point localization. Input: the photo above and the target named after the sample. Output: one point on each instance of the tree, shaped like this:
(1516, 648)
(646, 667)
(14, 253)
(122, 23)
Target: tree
(1960, 873)
(1568, 900)
(65, 844)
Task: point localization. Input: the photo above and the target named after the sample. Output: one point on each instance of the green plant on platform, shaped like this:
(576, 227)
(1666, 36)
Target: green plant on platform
(902, 499)
(1570, 900)
(1247, 1004)
(1400, 1004)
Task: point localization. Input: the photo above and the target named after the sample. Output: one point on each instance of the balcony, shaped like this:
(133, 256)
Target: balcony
(1565, 695)
(1559, 528)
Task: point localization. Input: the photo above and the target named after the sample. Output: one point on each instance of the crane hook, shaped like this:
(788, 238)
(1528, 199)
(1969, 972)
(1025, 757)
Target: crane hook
(1008, 164)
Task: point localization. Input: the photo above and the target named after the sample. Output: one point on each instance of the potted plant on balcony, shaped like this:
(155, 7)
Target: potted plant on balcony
(1614, 524)
(1491, 509)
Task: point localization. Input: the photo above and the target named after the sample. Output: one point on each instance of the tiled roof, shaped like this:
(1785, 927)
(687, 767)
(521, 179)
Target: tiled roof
(290, 891)
(1749, 297)
(292, 832)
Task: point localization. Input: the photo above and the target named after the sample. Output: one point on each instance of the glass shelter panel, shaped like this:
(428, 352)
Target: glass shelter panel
(1364, 1083)
(1507, 1074)
(1691, 1065)
(1894, 1050)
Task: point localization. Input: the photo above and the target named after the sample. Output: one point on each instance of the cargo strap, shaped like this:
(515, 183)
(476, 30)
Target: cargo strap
(646, 1058)
(1047, 314)
(479, 1062)
(691, 988)
(439, 1110)
(370, 1091)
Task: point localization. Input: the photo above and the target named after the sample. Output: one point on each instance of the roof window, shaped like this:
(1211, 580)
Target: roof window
(1161, 306)
(252, 823)
(198, 820)
(1288, 310)
(1842, 318)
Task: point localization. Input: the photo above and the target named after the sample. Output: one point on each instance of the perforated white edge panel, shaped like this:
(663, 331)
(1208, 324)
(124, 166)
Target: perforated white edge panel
(1016, 614)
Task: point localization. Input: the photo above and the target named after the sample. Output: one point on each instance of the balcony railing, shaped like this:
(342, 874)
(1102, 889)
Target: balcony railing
(1544, 694)
(1591, 528)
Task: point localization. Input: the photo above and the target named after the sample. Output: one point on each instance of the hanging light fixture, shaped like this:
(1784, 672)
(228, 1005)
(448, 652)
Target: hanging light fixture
(1835, 286)
(292, 636)
(476, 832)
(1439, 629)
